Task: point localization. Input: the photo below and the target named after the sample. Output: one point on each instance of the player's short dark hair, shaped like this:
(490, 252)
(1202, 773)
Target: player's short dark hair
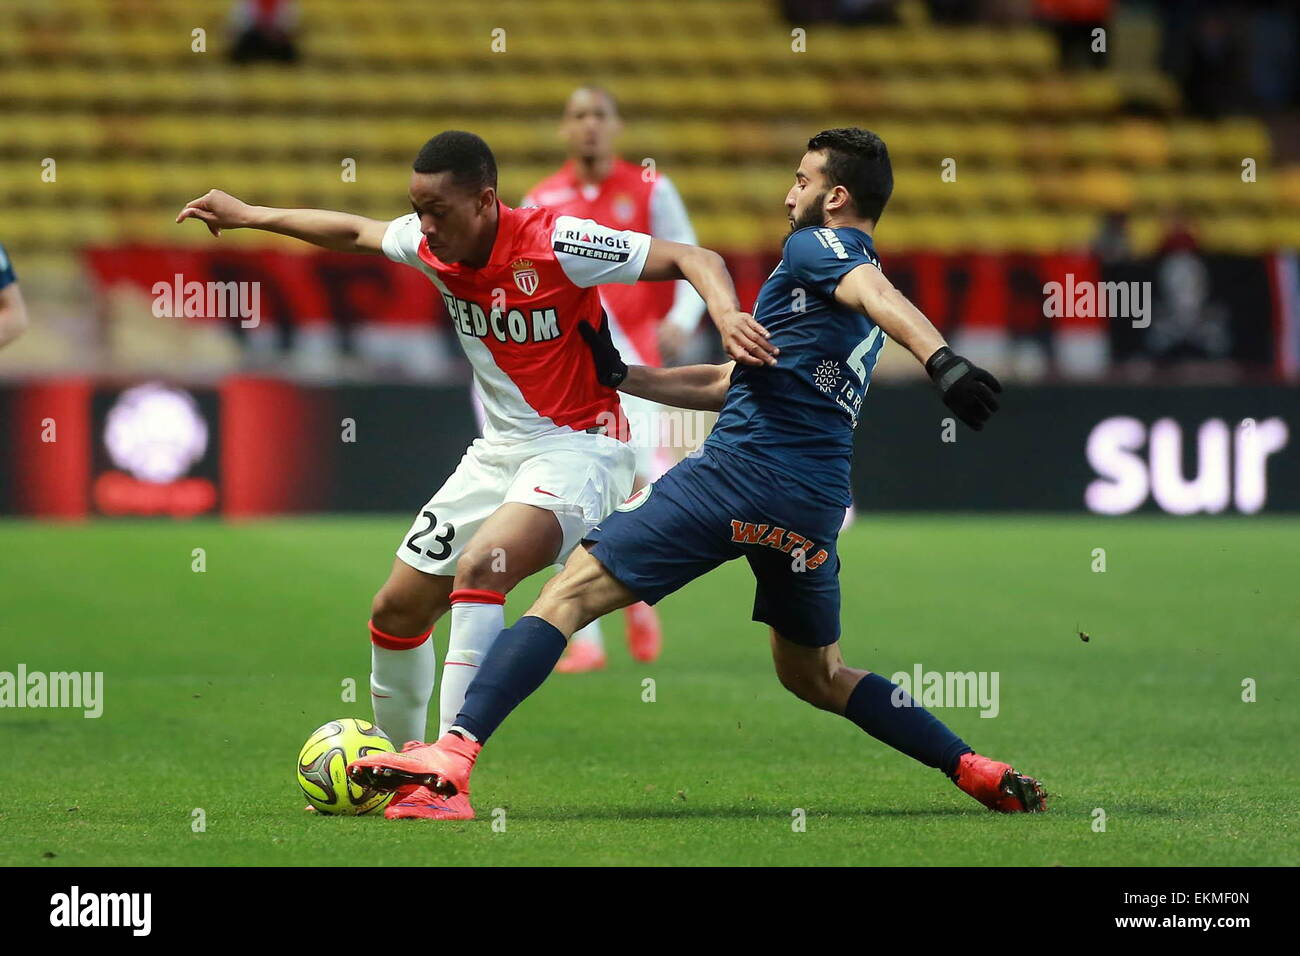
(464, 155)
(857, 160)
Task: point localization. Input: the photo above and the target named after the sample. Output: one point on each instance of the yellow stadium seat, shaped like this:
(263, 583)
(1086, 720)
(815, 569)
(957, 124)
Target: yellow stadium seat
(711, 89)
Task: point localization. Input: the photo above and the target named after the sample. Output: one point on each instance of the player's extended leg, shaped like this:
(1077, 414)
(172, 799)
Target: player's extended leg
(402, 660)
(884, 710)
(644, 549)
(640, 620)
(523, 655)
(586, 651)
(520, 659)
(582, 592)
(517, 541)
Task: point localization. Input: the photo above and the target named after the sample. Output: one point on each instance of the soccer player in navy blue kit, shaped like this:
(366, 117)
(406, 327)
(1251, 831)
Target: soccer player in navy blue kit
(13, 312)
(770, 484)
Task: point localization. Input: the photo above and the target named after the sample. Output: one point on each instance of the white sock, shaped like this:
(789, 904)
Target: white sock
(477, 617)
(401, 683)
(590, 635)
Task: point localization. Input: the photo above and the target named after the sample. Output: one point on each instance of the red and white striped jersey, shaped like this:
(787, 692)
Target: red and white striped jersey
(517, 317)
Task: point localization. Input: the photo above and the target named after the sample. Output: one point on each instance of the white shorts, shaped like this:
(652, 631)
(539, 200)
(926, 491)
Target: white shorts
(579, 477)
(652, 460)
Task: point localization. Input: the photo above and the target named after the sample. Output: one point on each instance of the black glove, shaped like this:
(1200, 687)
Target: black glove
(965, 388)
(610, 367)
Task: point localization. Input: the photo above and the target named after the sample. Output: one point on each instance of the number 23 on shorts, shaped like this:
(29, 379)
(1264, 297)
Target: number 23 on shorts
(444, 538)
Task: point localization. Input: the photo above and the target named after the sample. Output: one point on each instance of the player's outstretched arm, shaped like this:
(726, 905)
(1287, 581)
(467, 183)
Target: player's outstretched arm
(702, 387)
(866, 290)
(965, 388)
(744, 339)
(13, 314)
(340, 231)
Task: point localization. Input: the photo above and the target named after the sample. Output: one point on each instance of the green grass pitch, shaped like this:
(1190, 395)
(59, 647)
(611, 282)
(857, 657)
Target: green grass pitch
(214, 679)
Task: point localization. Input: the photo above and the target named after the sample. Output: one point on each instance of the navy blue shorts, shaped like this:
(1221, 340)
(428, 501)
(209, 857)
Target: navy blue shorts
(715, 507)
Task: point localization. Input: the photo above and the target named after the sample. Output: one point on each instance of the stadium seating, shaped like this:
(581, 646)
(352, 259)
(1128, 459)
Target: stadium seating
(713, 90)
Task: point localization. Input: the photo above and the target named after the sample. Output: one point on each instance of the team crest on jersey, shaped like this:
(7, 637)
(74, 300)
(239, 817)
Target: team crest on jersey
(624, 208)
(525, 276)
(637, 500)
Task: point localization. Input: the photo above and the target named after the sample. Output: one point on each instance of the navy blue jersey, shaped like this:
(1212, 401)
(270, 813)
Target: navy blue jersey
(7, 276)
(797, 418)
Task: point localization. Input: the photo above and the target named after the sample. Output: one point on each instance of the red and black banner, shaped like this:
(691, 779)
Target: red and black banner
(1239, 311)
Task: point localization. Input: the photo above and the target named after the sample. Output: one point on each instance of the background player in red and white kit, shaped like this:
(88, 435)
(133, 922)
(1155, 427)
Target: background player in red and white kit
(647, 321)
(517, 283)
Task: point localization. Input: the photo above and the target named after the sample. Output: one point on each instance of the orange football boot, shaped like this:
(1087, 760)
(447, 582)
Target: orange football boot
(999, 786)
(644, 637)
(421, 803)
(411, 802)
(443, 767)
(580, 657)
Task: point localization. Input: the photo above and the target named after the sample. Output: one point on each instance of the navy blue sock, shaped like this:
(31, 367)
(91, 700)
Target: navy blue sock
(910, 728)
(519, 660)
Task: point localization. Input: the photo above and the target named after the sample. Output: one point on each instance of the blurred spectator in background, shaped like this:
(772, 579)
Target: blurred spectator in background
(1232, 58)
(645, 319)
(1112, 244)
(1273, 40)
(1073, 22)
(1214, 83)
(13, 313)
(264, 30)
(596, 183)
(1178, 235)
(955, 12)
(840, 11)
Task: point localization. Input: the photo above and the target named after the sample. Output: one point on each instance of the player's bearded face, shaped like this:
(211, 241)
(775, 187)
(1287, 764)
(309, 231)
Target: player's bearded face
(811, 213)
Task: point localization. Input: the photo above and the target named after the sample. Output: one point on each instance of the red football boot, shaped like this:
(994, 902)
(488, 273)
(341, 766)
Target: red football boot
(443, 767)
(999, 786)
(421, 803)
(644, 637)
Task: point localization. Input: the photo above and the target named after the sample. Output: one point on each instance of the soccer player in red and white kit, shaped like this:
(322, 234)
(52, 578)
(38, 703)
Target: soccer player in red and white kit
(553, 461)
(645, 320)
